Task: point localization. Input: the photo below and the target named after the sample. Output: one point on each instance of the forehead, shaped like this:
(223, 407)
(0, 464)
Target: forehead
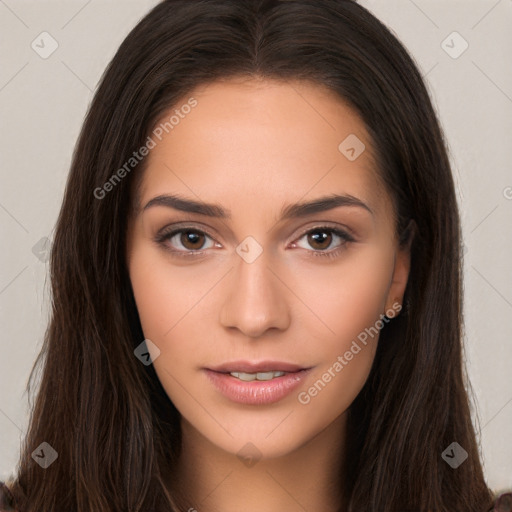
(265, 141)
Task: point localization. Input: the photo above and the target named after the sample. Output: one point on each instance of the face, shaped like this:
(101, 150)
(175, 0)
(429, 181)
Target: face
(291, 267)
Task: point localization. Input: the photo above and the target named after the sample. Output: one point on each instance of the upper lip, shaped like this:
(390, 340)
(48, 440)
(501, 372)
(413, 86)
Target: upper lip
(255, 367)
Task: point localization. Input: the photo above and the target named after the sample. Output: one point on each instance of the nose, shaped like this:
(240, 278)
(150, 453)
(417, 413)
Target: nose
(256, 299)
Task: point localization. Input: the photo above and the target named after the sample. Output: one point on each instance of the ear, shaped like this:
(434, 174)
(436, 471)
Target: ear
(401, 268)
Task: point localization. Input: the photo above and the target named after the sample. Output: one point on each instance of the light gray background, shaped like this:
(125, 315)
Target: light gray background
(43, 103)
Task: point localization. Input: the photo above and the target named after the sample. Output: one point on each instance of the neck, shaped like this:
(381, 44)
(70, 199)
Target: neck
(209, 479)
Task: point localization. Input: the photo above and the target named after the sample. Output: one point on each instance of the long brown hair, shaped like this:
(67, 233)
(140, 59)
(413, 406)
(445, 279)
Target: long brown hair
(116, 432)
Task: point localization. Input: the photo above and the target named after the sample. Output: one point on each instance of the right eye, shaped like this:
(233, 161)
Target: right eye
(187, 241)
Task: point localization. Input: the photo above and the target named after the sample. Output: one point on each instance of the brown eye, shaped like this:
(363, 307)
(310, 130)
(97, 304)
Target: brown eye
(192, 240)
(320, 239)
(185, 241)
(324, 241)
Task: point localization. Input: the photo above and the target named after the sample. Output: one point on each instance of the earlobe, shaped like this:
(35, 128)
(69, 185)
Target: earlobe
(401, 268)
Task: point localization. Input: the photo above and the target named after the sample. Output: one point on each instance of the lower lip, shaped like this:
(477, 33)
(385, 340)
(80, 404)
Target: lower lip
(256, 392)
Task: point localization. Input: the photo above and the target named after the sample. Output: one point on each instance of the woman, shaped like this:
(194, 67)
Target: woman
(256, 278)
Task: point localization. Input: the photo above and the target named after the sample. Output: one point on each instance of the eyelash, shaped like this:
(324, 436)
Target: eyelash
(165, 235)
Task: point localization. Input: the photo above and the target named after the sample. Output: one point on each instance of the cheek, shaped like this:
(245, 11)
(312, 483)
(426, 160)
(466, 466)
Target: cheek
(174, 307)
(350, 300)
(153, 294)
(347, 297)
(163, 293)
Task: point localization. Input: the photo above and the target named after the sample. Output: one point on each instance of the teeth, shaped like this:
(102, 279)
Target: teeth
(247, 377)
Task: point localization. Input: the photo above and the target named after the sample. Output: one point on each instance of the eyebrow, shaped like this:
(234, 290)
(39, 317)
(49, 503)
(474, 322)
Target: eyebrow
(291, 211)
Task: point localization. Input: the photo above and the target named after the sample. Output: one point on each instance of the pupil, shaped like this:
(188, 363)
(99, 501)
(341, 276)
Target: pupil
(191, 239)
(320, 237)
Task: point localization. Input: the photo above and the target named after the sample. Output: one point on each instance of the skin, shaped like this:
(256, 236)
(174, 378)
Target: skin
(254, 146)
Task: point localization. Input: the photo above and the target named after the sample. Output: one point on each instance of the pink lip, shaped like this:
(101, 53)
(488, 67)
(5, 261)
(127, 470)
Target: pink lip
(262, 366)
(257, 392)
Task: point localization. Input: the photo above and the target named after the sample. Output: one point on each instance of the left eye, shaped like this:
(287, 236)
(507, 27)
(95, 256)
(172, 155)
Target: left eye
(321, 238)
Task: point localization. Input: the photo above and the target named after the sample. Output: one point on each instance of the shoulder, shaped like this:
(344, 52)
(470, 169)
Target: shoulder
(6, 499)
(503, 502)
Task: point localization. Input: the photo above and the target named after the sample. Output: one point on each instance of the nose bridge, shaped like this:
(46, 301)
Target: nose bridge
(256, 299)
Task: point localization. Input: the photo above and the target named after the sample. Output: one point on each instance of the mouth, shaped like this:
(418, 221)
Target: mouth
(261, 376)
(261, 371)
(261, 367)
(256, 383)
